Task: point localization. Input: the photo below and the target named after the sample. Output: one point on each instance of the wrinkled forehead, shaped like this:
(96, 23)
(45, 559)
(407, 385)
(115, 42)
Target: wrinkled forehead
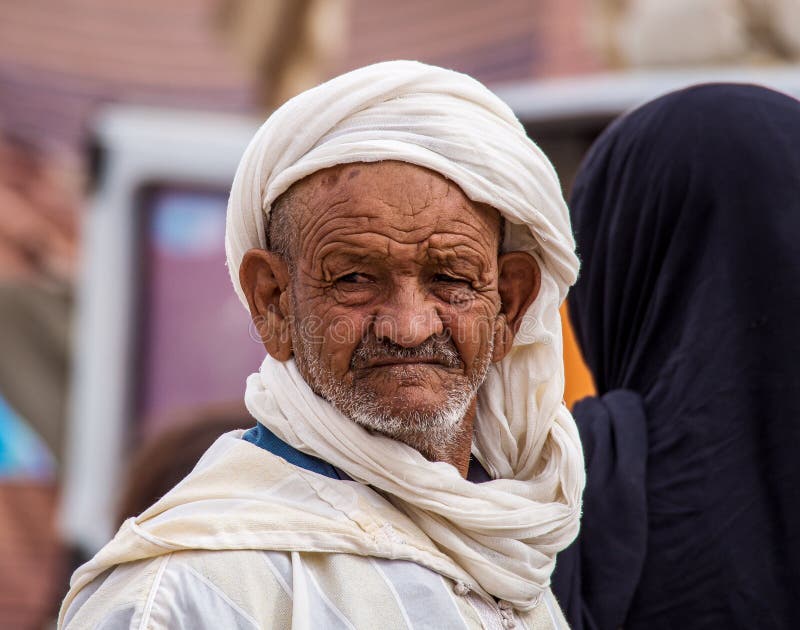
(405, 201)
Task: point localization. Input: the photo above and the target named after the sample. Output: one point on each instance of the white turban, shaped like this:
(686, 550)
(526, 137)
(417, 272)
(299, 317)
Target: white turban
(504, 533)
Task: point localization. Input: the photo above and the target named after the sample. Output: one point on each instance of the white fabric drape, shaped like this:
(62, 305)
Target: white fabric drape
(504, 533)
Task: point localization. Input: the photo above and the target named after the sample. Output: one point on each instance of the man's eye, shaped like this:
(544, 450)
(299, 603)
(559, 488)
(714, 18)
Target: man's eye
(443, 277)
(354, 278)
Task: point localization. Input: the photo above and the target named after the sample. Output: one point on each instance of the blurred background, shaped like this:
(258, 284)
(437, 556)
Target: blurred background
(123, 351)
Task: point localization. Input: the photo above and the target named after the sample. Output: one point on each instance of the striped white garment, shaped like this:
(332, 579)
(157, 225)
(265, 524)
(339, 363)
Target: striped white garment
(245, 590)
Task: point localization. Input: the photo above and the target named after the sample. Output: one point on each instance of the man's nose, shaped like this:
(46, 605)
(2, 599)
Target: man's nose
(409, 316)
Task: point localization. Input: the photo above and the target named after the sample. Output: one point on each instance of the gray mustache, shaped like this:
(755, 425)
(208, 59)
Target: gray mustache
(439, 348)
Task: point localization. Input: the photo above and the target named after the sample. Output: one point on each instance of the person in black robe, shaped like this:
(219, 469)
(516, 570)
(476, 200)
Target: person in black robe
(687, 218)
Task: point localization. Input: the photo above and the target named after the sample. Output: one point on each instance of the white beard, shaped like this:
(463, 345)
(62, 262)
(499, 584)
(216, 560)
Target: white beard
(415, 428)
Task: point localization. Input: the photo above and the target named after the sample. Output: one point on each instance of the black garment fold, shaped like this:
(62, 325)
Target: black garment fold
(614, 531)
(687, 218)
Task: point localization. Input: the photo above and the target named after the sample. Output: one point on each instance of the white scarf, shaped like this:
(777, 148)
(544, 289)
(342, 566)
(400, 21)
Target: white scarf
(505, 532)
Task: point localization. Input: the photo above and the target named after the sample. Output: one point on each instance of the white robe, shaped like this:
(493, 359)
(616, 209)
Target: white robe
(248, 540)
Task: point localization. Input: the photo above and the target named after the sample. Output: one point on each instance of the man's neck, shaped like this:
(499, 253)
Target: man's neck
(455, 451)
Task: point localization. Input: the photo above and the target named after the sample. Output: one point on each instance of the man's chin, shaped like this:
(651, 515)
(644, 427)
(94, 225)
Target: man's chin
(409, 404)
(412, 428)
(410, 411)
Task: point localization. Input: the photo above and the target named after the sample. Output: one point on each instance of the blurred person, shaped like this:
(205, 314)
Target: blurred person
(168, 456)
(39, 199)
(39, 202)
(687, 217)
(403, 249)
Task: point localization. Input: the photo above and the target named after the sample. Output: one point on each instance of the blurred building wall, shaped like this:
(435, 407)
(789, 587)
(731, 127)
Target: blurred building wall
(504, 40)
(59, 59)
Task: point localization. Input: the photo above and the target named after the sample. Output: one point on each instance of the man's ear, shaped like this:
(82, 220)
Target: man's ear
(264, 277)
(518, 283)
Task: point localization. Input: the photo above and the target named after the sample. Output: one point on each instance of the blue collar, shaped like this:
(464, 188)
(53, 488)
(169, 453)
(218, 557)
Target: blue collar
(266, 439)
(262, 437)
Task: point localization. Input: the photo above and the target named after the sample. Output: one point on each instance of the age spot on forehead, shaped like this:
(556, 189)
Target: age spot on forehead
(330, 178)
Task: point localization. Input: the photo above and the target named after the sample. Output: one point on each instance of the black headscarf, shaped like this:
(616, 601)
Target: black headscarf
(687, 218)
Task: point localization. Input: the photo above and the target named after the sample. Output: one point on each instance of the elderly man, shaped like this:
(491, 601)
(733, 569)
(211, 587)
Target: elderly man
(403, 249)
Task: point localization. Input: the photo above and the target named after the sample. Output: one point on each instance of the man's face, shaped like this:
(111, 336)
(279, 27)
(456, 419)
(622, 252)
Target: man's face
(394, 295)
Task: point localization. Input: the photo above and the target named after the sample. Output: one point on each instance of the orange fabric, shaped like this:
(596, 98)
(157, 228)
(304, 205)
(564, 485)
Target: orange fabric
(578, 379)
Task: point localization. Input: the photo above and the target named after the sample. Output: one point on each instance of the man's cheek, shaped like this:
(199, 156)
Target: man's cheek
(342, 331)
(340, 341)
(469, 332)
(310, 329)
